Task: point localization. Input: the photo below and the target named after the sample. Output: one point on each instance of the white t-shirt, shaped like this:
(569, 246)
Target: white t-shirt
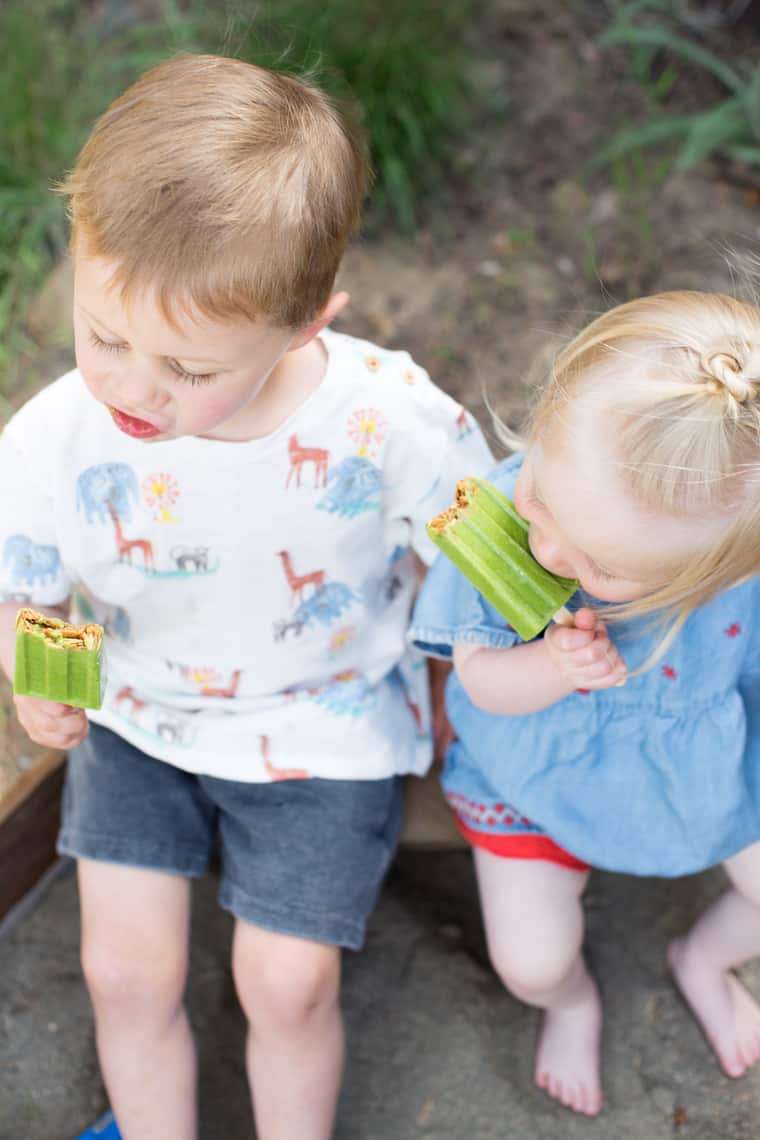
(255, 595)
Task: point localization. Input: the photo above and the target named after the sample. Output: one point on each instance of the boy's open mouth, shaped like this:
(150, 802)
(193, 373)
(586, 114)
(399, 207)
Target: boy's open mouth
(130, 425)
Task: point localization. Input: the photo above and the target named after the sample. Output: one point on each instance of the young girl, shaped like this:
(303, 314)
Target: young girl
(632, 741)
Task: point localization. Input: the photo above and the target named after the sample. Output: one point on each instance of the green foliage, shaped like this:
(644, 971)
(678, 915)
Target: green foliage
(403, 63)
(730, 126)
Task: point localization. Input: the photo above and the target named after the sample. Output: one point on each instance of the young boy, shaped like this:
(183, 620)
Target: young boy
(237, 495)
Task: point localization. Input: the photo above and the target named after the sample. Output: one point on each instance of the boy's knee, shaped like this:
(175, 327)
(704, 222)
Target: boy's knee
(123, 978)
(284, 981)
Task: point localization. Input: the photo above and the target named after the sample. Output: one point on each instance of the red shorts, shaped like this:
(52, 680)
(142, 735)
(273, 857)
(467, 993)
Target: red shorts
(520, 845)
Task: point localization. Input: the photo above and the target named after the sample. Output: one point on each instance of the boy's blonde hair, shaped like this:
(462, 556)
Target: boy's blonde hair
(680, 376)
(225, 187)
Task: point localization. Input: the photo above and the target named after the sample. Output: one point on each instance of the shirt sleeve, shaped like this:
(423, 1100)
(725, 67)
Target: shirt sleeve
(440, 443)
(31, 568)
(451, 611)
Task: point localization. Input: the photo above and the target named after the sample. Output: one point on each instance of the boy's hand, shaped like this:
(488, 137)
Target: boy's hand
(583, 654)
(51, 724)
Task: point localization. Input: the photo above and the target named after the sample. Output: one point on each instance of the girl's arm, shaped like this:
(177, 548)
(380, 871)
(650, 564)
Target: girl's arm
(510, 682)
(530, 677)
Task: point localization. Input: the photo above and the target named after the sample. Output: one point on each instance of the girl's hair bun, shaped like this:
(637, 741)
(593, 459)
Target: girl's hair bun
(725, 373)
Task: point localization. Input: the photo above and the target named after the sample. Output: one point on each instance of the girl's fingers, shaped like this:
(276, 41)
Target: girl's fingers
(585, 619)
(599, 675)
(568, 639)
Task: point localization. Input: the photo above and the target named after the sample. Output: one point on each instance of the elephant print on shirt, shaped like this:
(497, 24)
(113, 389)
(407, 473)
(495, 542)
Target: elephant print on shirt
(107, 488)
(30, 561)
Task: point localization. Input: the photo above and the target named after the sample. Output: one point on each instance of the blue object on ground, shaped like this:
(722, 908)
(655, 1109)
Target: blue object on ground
(103, 1129)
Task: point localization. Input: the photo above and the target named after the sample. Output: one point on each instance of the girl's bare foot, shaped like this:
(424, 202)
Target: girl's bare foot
(727, 1013)
(567, 1061)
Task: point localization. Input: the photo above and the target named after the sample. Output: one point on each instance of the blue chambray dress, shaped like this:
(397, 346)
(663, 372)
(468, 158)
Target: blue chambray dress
(658, 777)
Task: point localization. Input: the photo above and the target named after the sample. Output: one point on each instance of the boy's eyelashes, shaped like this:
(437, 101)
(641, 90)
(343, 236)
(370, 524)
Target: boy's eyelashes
(110, 346)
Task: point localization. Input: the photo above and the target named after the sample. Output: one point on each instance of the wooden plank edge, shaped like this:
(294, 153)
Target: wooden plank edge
(28, 837)
(28, 780)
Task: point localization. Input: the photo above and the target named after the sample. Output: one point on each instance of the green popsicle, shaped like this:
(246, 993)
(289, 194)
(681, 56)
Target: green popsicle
(59, 661)
(486, 538)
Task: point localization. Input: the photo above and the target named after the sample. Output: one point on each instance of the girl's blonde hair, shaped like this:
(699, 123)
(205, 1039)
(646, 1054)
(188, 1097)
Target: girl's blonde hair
(680, 374)
(221, 184)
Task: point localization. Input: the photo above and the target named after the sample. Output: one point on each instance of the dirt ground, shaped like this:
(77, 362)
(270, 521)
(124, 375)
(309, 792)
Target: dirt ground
(531, 244)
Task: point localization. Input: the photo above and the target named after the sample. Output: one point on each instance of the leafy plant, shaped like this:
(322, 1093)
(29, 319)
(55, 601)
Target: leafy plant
(730, 126)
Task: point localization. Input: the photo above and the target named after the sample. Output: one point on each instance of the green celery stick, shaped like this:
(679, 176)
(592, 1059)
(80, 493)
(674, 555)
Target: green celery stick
(58, 661)
(486, 538)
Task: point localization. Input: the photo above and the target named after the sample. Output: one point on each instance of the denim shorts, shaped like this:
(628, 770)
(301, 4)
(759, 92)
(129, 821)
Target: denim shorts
(300, 857)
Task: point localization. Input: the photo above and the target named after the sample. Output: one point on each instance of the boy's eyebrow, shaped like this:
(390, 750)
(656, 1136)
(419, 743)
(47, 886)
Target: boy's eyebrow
(191, 359)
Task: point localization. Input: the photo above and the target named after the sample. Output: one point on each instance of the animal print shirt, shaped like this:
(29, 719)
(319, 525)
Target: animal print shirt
(255, 596)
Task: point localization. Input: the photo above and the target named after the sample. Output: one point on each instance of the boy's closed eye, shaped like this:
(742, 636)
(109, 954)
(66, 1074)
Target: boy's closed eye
(118, 347)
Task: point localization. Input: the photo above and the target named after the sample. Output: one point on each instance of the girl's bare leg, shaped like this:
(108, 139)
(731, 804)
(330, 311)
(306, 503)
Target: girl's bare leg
(534, 926)
(289, 990)
(134, 956)
(726, 936)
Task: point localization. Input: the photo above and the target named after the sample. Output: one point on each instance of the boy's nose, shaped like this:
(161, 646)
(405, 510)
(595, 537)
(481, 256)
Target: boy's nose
(145, 392)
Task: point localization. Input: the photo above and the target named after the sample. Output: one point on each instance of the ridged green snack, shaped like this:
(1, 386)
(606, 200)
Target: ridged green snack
(487, 539)
(59, 661)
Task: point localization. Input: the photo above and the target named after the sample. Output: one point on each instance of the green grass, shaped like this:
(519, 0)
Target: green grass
(662, 46)
(403, 62)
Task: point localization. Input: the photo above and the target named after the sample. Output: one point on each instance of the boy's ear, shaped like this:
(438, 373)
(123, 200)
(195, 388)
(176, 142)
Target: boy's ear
(335, 305)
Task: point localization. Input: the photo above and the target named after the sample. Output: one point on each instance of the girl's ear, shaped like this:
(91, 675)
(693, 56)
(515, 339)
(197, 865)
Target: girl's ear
(335, 305)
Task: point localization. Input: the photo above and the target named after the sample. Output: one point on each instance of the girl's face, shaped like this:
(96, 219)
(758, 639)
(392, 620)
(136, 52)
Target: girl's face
(584, 523)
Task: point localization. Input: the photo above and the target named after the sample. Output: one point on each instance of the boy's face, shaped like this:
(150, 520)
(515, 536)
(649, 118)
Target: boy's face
(159, 382)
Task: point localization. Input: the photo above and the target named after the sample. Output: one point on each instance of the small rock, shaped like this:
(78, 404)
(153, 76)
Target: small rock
(570, 199)
(612, 272)
(566, 266)
(605, 206)
(489, 268)
(425, 1113)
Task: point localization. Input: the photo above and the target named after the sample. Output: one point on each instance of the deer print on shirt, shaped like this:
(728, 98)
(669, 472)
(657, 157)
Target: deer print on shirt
(300, 455)
(125, 546)
(297, 582)
(279, 773)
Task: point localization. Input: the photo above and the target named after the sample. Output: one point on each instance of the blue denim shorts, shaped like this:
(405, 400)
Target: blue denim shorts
(300, 857)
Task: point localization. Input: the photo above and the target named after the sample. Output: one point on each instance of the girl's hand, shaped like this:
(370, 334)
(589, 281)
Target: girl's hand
(583, 654)
(50, 723)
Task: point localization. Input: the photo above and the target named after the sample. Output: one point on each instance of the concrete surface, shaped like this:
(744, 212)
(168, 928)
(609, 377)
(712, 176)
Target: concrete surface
(436, 1049)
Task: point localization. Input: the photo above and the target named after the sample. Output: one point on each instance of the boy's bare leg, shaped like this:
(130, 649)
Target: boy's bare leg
(134, 954)
(726, 936)
(289, 989)
(534, 926)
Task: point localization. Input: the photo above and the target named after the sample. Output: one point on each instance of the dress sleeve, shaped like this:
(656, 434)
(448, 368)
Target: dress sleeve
(451, 611)
(439, 444)
(31, 568)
